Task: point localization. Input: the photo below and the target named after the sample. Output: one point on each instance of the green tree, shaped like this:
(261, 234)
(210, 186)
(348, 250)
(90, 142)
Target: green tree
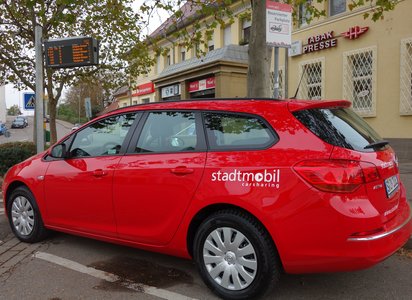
(112, 22)
(88, 88)
(14, 110)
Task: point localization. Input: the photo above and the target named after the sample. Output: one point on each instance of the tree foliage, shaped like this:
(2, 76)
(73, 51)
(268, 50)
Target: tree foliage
(91, 88)
(124, 51)
(112, 22)
(14, 110)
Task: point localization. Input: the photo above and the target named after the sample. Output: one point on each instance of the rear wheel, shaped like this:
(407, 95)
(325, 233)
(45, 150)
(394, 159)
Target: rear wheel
(24, 216)
(235, 255)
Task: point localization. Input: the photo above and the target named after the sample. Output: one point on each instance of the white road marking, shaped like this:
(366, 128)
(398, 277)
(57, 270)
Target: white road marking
(72, 265)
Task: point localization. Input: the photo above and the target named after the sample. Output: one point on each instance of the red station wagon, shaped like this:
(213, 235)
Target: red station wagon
(247, 188)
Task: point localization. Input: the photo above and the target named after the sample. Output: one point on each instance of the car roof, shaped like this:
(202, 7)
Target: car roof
(251, 105)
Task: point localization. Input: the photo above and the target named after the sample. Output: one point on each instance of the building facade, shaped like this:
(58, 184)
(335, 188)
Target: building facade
(339, 56)
(345, 56)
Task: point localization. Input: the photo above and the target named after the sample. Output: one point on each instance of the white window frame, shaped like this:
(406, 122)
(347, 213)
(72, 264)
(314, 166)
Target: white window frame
(348, 80)
(303, 14)
(210, 45)
(158, 65)
(246, 23)
(304, 87)
(183, 54)
(405, 101)
(227, 35)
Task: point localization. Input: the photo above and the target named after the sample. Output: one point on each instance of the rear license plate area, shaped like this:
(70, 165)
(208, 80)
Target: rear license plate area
(391, 185)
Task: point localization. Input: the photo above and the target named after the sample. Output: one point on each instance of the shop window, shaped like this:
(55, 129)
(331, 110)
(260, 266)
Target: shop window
(246, 26)
(359, 77)
(312, 74)
(281, 83)
(227, 35)
(406, 77)
(337, 7)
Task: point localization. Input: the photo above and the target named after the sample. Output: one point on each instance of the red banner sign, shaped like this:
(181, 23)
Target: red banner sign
(200, 85)
(144, 89)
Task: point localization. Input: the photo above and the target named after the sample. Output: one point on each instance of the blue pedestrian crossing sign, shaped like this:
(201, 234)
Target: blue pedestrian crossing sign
(29, 101)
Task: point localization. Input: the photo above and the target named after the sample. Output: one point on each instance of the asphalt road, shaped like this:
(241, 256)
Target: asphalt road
(70, 267)
(26, 134)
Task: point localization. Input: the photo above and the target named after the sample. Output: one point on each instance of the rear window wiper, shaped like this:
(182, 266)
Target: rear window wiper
(378, 144)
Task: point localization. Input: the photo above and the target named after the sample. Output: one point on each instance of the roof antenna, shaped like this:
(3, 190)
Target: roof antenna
(300, 81)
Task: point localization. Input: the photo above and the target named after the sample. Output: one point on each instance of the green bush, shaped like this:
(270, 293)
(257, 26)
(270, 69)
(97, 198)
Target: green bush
(13, 153)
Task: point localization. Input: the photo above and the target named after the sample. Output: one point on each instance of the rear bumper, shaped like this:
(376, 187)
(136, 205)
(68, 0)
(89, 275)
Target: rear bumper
(355, 253)
(384, 234)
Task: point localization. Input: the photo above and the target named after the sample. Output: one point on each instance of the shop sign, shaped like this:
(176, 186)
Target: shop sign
(320, 42)
(145, 89)
(278, 24)
(354, 32)
(171, 90)
(200, 85)
(295, 49)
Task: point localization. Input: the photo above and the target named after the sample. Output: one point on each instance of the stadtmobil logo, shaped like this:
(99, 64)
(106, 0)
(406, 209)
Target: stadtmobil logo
(266, 178)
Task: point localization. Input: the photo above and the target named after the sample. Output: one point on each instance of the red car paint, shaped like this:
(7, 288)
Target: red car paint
(151, 200)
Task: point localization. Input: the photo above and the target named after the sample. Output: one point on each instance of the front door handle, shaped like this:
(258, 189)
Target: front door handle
(99, 173)
(182, 170)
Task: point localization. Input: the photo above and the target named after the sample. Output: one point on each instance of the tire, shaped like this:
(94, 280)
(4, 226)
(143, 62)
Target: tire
(24, 216)
(235, 255)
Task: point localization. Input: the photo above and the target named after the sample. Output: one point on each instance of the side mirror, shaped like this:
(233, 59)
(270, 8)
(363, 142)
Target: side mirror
(58, 151)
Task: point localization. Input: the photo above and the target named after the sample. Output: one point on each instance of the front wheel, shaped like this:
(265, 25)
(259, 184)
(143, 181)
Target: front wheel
(24, 216)
(235, 255)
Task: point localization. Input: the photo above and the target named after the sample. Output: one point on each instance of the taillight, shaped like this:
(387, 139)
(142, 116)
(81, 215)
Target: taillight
(336, 175)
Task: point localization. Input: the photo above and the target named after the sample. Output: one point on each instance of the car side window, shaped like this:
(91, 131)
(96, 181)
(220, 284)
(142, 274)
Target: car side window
(101, 138)
(168, 131)
(228, 131)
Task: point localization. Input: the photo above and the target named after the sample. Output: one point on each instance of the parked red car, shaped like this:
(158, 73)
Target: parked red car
(247, 188)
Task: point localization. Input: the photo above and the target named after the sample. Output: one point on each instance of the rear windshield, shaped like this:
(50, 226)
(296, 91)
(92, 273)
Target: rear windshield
(340, 127)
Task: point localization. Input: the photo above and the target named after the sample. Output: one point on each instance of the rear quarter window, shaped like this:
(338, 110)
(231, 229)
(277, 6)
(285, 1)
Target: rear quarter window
(228, 131)
(339, 127)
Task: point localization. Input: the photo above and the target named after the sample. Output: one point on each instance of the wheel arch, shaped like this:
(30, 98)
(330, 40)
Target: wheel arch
(209, 210)
(10, 188)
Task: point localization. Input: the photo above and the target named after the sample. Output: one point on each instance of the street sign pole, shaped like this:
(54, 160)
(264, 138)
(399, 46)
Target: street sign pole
(39, 90)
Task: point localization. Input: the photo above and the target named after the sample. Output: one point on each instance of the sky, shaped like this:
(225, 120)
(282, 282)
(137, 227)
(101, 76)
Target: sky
(15, 97)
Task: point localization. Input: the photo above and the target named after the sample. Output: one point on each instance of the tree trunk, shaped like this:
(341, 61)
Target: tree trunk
(258, 77)
(52, 106)
(52, 110)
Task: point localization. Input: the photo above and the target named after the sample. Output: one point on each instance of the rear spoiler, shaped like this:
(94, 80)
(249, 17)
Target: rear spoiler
(296, 105)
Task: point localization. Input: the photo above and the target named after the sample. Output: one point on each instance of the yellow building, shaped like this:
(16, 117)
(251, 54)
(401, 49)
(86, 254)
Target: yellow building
(345, 56)
(340, 56)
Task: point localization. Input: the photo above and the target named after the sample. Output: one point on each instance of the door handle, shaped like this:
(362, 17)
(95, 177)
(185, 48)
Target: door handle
(182, 170)
(99, 173)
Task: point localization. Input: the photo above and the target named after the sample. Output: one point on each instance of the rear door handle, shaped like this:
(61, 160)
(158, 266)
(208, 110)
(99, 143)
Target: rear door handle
(99, 173)
(182, 170)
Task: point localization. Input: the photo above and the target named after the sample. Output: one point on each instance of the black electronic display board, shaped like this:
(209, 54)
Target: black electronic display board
(71, 52)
